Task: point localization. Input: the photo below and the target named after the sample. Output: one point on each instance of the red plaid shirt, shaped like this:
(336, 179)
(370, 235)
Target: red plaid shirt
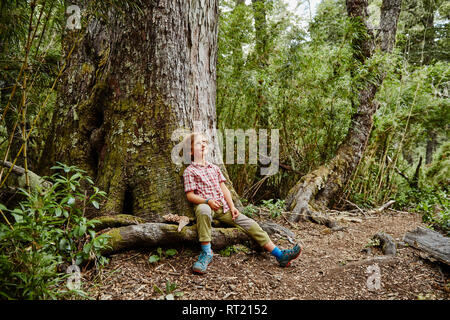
(205, 182)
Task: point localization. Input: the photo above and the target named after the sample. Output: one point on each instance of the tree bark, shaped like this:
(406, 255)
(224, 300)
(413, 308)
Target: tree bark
(137, 76)
(319, 189)
(430, 242)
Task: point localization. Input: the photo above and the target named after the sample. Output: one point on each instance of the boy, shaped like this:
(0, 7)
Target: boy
(204, 186)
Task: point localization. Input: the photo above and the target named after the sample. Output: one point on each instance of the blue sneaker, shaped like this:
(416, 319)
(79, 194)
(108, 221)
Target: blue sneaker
(288, 255)
(202, 263)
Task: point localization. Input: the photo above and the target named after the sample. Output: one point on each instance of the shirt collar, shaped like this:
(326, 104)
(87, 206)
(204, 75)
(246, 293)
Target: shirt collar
(207, 164)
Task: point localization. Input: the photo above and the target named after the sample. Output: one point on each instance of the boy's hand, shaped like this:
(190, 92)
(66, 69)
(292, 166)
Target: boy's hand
(234, 213)
(214, 204)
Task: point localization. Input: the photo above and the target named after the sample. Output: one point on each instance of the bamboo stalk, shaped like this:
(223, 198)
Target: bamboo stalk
(22, 69)
(24, 128)
(40, 109)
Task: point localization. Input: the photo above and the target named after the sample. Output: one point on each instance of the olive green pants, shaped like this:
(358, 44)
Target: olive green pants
(205, 215)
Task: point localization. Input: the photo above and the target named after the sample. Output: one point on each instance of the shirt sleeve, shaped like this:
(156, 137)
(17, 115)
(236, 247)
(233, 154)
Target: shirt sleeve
(189, 181)
(221, 176)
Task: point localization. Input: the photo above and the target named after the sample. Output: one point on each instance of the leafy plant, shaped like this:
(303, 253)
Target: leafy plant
(48, 232)
(250, 210)
(228, 251)
(433, 204)
(275, 208)
(374, 242)
(170, 292)
(162, 254)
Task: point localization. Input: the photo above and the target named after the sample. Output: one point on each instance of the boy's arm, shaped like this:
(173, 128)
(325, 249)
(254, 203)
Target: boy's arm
(192, 197)
(228, 199)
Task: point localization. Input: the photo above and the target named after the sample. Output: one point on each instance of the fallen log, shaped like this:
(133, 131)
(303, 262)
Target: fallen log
(430, 242)
(33, 179)
(134, 235)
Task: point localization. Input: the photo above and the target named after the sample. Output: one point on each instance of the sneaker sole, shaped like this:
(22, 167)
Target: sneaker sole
(199, 271)
(289, 263)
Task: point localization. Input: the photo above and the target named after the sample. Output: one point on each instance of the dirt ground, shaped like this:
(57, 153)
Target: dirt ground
(333, 265)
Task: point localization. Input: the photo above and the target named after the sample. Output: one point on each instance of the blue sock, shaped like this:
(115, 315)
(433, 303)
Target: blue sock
(207, 248)
(276, 252)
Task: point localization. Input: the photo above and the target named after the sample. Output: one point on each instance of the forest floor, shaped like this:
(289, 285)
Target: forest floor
(333, 265)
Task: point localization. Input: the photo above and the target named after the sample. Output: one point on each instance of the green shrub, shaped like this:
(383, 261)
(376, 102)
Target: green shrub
(250, 210)
(433, 204)
(275, 208)
(439, 171)
(49, 232)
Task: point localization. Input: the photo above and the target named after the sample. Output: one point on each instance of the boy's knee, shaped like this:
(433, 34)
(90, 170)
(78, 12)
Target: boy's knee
(245, 222)
(203, 210)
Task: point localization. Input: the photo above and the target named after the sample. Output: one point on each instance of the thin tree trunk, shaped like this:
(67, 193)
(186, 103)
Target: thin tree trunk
(320, 188)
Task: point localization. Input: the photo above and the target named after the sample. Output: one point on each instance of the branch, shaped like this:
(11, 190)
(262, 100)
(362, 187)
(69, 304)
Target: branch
(382, 208)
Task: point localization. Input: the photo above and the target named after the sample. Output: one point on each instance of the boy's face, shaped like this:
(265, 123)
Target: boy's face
(200, 147)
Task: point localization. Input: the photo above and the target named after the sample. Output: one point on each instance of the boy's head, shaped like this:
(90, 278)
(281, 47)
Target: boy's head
(197, 144)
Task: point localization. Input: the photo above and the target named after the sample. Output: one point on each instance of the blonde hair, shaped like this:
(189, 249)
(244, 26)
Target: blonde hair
(188, 144)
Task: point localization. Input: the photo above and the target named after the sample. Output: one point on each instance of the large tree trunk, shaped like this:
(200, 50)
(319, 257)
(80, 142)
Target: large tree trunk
(134, 79)
(318, 189)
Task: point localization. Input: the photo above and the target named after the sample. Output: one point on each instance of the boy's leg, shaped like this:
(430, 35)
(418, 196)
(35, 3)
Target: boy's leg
(203, 214)
(252, 228)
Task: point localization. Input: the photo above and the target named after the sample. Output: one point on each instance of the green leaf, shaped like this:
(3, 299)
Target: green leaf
(79, 260)
(82, 230)
(17, 217)
(75, 176)
(58, 212)
(153, 259)
(62, 244)
(171, 252)
(95, 204)
(157, 289)
(71, 201)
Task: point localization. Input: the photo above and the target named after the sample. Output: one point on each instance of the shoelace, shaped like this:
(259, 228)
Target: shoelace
(203, 258)
(289, 252)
